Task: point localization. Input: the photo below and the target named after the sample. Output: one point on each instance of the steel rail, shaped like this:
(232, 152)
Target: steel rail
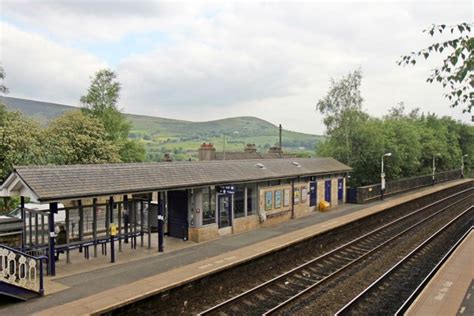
(351, 303)
(352, 263)
(346, 245)
(406, 304)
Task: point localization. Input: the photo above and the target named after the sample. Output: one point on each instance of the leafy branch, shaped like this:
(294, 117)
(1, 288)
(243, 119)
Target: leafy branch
(456, 71)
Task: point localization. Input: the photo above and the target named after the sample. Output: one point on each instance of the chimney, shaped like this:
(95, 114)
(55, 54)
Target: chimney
(250, 148)
(207, 152)
(279, 142)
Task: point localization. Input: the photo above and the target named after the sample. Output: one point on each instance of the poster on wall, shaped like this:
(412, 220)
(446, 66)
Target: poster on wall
(278, 199)
(286, 197)
(304, 194)
(268, 200)
(297, 195)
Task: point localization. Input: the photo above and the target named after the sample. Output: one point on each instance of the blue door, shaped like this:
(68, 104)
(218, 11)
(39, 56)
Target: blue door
(312, 193)
(340, 189)
(327, 191)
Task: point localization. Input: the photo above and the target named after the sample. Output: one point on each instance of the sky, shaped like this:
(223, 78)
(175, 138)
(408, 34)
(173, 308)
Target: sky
(201, 60)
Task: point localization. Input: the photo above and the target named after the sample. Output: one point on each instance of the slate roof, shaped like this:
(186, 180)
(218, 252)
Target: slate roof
(53, 183)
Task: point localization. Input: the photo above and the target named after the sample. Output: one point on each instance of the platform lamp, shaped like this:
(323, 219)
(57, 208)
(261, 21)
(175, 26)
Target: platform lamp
(462, 165)
(434, 167)
(382, 176)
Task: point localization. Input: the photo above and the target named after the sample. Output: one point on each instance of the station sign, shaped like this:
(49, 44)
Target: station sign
(225, 189)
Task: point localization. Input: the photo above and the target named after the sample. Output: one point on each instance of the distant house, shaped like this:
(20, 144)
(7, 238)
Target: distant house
(208, 152)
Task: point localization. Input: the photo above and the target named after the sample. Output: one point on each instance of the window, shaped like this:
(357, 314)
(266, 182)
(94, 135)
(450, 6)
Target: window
(304, 194)
(208, 206)
(239, 201)
(268, 200)
(278, 198)
(251, 198)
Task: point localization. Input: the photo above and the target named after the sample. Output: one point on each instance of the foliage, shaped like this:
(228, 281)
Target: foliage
(20, 144)
(342, 110)
(20, 141)
(412, 138)
(101, 102)
(132, 151)
(456, 72)
(3, 88)
(75, 138)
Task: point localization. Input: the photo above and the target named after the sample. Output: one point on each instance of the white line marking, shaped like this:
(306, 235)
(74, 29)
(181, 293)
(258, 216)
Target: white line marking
(230, 258)
(462, 310)
(206, 266)
(468, 296)
(439, 297)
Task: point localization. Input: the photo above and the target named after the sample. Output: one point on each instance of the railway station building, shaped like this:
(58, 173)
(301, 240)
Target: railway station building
(195, 201)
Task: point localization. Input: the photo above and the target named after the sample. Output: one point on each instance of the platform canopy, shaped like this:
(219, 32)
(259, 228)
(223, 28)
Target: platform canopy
(56, 183)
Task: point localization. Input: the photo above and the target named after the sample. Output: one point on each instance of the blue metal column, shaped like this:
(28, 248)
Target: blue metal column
(160, 222)
(112, 236)
(23, 233)
(53, 209)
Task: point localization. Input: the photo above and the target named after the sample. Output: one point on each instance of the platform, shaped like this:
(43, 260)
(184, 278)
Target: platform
(451, 289)
(86, 287)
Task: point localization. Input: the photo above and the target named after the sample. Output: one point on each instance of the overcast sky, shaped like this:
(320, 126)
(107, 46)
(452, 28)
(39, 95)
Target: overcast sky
(213, 60)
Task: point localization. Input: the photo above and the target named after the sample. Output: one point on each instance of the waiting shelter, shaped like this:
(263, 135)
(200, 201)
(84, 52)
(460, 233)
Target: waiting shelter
(108, 206)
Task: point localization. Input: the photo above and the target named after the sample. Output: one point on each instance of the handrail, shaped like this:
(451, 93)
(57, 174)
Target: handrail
(21, 269)
(23, 253)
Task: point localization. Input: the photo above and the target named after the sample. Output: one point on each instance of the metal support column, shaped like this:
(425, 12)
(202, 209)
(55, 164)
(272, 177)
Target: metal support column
(53, 209)
(23, 218)
(81, 223)
(161, 205)
(149, 219)
(142, 217)
(112, 233)
(119, 208)
(126, 217)
(68, 258)
(292, 198)
(94, 225)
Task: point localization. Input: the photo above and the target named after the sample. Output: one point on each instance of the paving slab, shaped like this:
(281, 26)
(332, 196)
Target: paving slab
(450, 290)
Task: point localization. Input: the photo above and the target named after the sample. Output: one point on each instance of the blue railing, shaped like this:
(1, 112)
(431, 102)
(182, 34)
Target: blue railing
(21, 269)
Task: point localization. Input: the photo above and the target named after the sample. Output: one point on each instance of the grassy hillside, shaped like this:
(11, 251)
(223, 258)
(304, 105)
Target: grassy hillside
(182, 138)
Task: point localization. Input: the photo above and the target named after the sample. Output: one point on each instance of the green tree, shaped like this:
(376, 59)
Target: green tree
(342, 110)
(3, 88)
(101, 102)
(456, 71)
(75, 138)
(20, 144)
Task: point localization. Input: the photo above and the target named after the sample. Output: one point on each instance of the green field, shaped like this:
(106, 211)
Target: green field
(183, 138)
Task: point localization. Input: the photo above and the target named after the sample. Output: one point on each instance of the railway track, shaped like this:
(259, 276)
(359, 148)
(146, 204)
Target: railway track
(393, 292)
(274, 295)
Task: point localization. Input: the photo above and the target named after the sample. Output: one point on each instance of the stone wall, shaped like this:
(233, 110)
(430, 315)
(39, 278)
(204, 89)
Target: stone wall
(246, 223)
(200, 234)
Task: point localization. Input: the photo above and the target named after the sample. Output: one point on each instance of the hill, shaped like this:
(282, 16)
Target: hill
(183, 137)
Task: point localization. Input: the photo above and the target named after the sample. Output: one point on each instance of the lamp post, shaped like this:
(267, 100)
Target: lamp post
(434, 167)
(382, 176)
(462, 165)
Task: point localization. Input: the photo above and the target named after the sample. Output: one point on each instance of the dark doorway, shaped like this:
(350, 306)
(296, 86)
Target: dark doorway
(224, 202)
(327, 191)
(312, 193)
(340, 192)
(178, 214)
